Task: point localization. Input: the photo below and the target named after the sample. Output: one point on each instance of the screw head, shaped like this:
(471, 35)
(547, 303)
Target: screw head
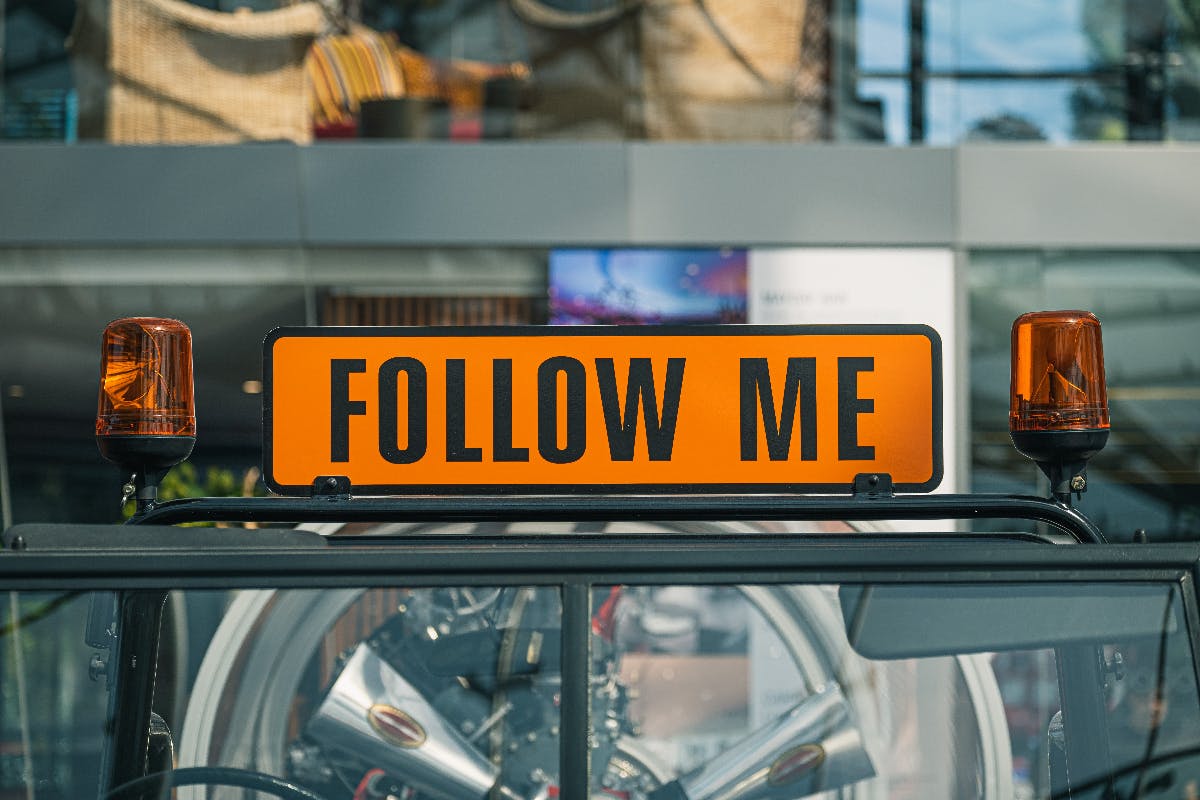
(1078, 483)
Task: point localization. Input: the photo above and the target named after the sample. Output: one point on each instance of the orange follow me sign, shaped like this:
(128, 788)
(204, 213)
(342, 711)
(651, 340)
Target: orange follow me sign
(539, 410)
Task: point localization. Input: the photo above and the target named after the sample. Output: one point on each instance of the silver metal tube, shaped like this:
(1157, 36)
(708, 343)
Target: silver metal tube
(372, 712)
(812, 747)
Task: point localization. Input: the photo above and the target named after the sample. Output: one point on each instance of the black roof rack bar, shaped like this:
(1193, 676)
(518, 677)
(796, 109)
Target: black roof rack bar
(608, 508)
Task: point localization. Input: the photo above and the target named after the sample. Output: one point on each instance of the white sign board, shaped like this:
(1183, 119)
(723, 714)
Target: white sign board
(866, 285)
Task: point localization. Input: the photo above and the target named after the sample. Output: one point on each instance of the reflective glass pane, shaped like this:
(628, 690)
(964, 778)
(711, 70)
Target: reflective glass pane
(879, 111)
(1023, 110)
(1183, 106)
(360, 692)
(50, 369)
(454, 693)
(554, 69)
(882, 27)
(1027, 35)
(1144, 301)
(51, 714)
(887, 690)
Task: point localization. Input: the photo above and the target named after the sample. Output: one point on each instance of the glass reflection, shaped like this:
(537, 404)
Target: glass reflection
(621, 69)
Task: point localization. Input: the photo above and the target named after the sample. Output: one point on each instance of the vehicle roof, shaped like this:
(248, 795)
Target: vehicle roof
(123, 556)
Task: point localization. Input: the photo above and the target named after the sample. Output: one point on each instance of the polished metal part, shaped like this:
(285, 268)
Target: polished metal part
(432, 756)
(815, 746)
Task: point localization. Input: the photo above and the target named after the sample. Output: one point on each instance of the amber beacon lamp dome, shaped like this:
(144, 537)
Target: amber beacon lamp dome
(146, 416)
(1058, 413)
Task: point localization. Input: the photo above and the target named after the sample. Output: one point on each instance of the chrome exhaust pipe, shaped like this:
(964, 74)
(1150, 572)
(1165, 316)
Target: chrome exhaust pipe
(371, 712)
(813, 747)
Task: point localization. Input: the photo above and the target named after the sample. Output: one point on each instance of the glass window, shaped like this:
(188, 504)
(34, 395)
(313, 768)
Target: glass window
(51, 714)
(54, 307)
(1060, 71)
(431, 693)
(444, 693)
(1148, 469)
(879, 112)
(882, 27)
(582, 69)
(1037, 35)
(1183, 111)
(50, 369)
(1023, 110)
(850, 689)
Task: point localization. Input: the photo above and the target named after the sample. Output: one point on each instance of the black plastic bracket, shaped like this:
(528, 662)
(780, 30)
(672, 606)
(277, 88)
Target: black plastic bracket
(1062, 456)
(873, 486)
(333, 487)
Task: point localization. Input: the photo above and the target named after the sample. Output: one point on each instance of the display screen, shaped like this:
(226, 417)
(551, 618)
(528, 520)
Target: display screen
(645, 287)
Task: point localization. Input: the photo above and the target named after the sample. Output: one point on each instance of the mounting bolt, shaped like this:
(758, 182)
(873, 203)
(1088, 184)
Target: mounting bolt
(97, 667)
(18, 543)
(1078, 483)
(1115, 666)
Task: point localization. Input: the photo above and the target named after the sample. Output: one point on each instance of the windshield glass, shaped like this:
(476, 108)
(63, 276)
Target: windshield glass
(696, 691)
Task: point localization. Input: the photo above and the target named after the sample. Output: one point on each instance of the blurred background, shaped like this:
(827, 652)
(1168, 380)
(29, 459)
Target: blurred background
(245, 165)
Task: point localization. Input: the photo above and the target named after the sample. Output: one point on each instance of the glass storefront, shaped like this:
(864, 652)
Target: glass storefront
(571, 229)
(50, 374)
(1147, 475)
(893, 71)
(49, 366)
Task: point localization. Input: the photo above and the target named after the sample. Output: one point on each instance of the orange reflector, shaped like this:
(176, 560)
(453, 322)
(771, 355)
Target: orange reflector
(1057, 373)
(146, 379)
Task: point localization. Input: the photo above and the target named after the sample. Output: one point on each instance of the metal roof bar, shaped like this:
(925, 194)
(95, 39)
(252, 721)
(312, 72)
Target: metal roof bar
(575, 508)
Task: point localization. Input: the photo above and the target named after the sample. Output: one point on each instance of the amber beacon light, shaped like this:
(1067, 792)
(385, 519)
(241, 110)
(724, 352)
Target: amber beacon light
(1058, 413)
(146, 417)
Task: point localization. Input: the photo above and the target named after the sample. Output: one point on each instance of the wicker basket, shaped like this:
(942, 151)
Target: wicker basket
(722, 69)
(165, 71)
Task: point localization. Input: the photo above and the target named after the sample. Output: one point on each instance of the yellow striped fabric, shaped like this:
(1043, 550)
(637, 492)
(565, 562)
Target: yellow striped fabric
(346, 69)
